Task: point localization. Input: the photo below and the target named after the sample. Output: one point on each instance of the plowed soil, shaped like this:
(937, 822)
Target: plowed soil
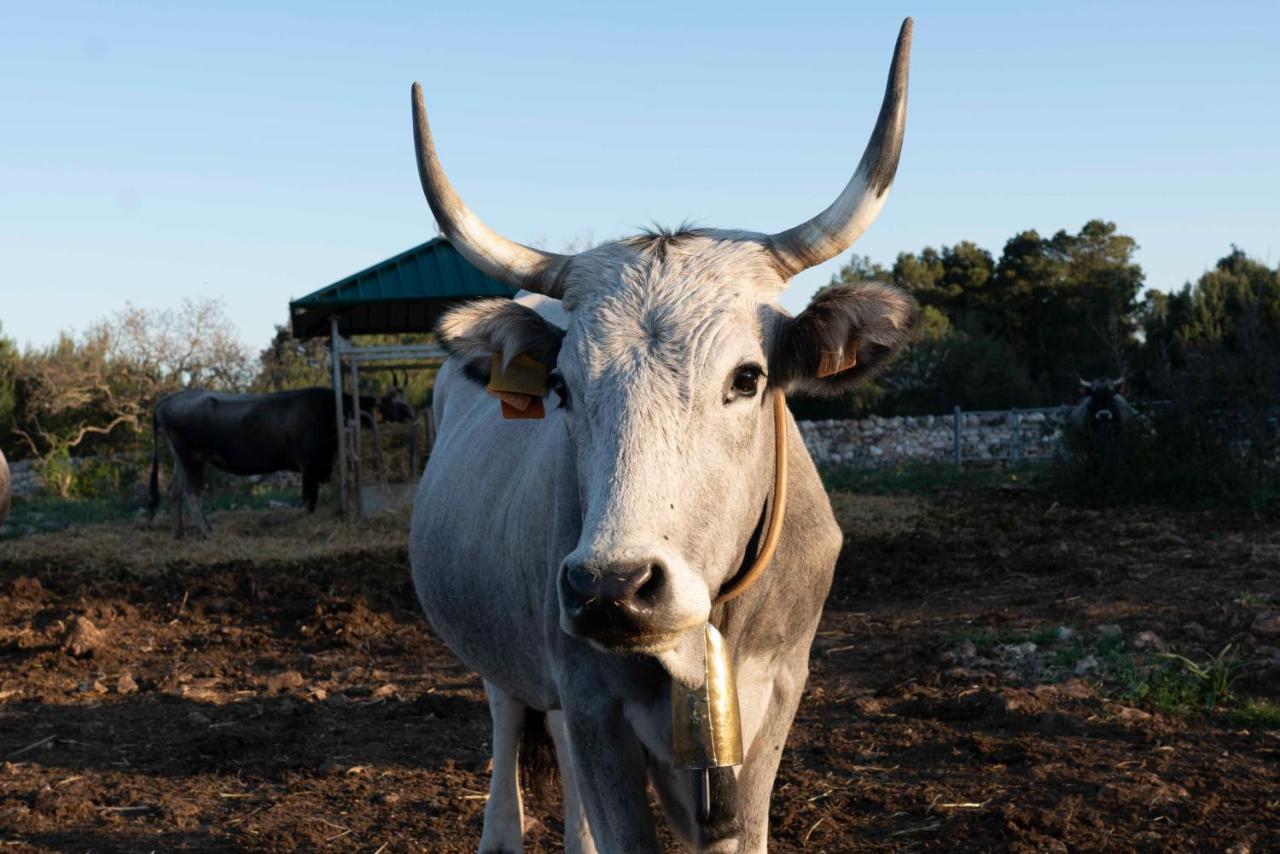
(160, 696)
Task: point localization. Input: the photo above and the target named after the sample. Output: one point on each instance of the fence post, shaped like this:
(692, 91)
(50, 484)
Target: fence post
(955, 428)
(1016, 426)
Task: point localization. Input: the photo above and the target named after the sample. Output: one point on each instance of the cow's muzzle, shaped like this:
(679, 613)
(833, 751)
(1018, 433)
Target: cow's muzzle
(615, 604)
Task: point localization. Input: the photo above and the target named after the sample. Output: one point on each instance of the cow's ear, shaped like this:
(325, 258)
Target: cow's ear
(476, 330)
(846, 335)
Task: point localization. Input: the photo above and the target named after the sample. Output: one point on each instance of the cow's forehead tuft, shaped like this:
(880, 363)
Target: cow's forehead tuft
(672, 296)
(702, 265)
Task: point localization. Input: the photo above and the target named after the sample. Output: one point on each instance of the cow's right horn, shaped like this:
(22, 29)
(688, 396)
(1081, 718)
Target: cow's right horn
(513, 263)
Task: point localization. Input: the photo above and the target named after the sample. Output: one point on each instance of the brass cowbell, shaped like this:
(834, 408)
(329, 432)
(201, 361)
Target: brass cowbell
(706, 727)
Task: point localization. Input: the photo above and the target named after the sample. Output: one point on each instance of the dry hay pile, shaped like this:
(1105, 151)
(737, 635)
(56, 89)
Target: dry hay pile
(392, 460)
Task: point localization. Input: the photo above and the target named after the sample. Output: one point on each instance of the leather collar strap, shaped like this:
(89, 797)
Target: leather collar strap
(743, 581)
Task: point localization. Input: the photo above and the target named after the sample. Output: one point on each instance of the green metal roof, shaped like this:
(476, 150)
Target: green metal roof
(405, 293)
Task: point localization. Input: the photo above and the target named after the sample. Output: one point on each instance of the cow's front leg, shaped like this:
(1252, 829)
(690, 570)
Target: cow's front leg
(504, 811)
(577, 832)
(610, 777)
(779, 696)
(194, 489)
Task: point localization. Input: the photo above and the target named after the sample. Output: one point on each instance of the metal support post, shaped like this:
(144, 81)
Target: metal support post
(356, 451)
(335, 356)
(1016, 426)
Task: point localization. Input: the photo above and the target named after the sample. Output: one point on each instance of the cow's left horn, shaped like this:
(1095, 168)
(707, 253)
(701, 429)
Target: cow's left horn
(836, 228)
(513, 263)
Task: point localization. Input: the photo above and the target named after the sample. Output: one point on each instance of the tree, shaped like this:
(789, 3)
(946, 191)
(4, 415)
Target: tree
(1049, 311)
(860, 268)
(1067, 304)
(91, 386)
(192, 346)
(288, 362)
(9, 361)
(1229, 318)
(955, 281)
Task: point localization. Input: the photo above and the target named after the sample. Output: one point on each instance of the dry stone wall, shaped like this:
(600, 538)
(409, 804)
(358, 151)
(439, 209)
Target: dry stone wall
(984, 437)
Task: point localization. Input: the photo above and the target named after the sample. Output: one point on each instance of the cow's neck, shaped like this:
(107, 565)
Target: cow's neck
(749, 555)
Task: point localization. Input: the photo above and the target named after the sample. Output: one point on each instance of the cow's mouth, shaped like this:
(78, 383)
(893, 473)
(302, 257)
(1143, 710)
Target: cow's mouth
(620, 630)
(640, 644)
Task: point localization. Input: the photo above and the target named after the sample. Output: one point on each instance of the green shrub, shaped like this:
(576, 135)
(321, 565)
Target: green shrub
(1179, 455)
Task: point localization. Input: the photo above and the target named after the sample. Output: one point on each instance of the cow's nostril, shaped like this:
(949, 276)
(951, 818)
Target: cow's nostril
(617, 585)
(581, 582)
(651, 587)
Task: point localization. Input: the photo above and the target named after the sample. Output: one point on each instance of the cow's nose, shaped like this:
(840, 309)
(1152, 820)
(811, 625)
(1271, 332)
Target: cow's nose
(632, 585)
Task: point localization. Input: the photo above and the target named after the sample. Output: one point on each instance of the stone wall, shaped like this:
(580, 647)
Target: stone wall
(27, 482)
(862, 443)
(984, 437)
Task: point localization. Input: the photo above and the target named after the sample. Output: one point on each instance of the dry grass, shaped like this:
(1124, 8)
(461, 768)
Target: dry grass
(284, 536)
(290, 536)
(877, 515)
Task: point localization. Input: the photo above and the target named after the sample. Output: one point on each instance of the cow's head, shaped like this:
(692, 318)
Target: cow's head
(1103, 406)
(664, 375)
(394, 406)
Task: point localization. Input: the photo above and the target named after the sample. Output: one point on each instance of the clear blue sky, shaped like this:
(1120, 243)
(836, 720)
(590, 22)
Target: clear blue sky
(257, 151)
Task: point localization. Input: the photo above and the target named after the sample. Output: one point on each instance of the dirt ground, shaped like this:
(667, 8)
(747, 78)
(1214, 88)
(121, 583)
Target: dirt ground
(981, 681)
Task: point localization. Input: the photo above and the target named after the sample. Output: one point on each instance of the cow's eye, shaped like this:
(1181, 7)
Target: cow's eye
(558, 385)
(746, 380)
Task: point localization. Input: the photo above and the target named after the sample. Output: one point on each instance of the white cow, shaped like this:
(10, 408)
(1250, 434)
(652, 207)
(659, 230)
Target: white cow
(573, 561)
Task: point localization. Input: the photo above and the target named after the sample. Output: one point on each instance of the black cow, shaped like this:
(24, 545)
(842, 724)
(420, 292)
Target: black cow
(1103, 408)
(252, 434)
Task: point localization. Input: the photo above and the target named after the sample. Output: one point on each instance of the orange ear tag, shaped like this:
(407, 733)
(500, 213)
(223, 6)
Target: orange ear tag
(533, 409)
(838, 363)
(520, 386)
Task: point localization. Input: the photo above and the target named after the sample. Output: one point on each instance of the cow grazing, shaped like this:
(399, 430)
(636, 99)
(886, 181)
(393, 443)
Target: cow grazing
(5, 488)
(573, 561)
(1103, 408)
(251, 434)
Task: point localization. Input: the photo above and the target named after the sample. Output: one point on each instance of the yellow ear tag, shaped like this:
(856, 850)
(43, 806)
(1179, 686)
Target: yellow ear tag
(838, 363)
(520, 386)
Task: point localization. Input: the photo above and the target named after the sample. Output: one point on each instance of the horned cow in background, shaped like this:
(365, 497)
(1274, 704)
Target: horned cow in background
(1103, 408)
(247, 434)
(583, 556)
(394, 405)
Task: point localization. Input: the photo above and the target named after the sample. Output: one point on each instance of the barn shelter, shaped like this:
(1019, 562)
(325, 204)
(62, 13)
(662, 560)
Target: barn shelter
(405, 293)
